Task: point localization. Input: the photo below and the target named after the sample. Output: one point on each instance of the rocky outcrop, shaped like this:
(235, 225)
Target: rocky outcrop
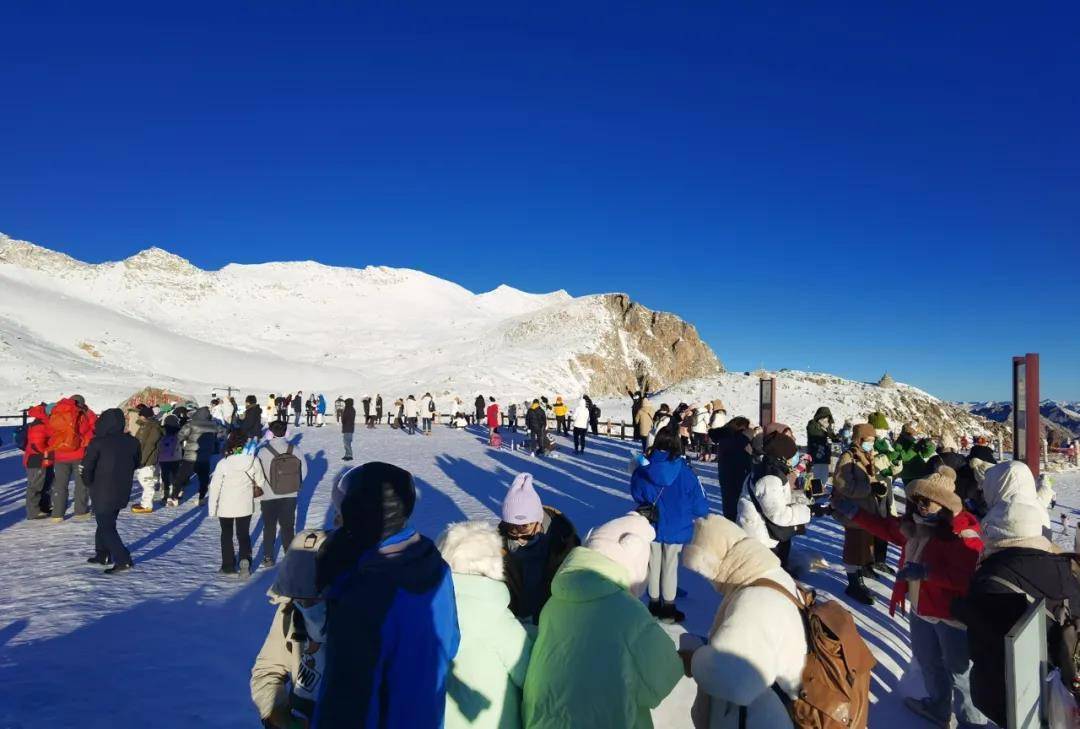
(644, 349)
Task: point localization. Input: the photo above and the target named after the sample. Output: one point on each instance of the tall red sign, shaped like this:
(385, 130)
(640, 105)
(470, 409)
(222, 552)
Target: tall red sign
(1026, 423)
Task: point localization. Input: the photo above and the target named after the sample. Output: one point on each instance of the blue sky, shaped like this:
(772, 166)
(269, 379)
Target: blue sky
(850, 188)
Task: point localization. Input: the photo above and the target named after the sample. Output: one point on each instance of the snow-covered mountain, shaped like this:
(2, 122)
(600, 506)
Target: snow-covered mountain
(799, 394)
(106, 330)
(1060, 416)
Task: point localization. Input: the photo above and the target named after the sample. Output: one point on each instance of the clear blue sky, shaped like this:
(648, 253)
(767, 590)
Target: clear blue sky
(849, 187)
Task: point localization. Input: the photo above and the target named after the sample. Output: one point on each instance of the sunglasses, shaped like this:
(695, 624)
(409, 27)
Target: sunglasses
(921, 501)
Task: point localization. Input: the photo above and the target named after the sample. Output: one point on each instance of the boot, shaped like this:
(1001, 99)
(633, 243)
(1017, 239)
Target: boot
(655, 608)
(140, 509)
(884, 568)
(672, 614)
(857, 590)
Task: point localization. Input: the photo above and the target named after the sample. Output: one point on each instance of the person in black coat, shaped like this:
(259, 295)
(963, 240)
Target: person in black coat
(478, 403)
(348, 427)
(992, 607)
(982, 451)
(108, 469)
(536, 424)
(378, 409)
(251, 425)
(733, 459)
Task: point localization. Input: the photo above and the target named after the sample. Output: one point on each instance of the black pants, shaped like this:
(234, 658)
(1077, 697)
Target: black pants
(783, 551)
(36, 493)
(595, 425)
(560, 424)
(183, 474)
(275, 513)
(881, 550)
(169, 470)
(107, 541)
(538, 441)
(644, 440)
(579, 440)
(729, 493)
(243, 538)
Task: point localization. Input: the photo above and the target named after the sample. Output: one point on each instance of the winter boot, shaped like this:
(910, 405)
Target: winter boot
(857, 590)
(884, 568)
(140, 509)
(116, 569)
(102, 559)
(655, 608)
(672, 614)
(82, 517)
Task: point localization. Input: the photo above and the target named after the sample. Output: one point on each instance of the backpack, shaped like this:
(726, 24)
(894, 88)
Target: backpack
(1062, 628)
(284, 476)
(431, 406)
(836, 678)
(64, 429)
(169, 448)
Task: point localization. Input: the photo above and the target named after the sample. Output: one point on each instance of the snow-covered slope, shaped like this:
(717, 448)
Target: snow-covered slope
(799, 394)
(155, 319)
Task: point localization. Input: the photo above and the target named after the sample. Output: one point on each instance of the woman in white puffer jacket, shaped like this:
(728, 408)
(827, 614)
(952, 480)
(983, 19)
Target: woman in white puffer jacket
(768, 507)
(757, 638)
(231, 498)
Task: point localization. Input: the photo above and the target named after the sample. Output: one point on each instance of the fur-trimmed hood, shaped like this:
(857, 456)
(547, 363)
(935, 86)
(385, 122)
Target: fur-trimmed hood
(473, 548)
(725, 555)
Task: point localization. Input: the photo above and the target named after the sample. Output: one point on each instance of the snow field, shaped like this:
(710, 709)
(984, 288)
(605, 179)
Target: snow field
(171, 644)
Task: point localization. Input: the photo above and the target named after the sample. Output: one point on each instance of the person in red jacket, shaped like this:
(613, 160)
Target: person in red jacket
(492, 418)
(36, 461)
(940, 547)
(71, 426)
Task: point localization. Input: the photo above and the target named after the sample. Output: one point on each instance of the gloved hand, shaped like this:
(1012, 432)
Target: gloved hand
(912, 571)
(879, 488)
(844, 507)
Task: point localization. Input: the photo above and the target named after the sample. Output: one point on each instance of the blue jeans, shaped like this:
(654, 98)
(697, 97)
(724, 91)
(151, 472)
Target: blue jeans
(347, 439)
(942, 653)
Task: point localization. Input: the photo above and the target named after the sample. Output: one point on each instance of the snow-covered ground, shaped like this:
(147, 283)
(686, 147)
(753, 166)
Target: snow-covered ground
(171, 644)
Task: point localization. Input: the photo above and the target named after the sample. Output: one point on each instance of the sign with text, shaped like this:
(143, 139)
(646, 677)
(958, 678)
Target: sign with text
(767, 397)
(1025, 668)
(1026, 426)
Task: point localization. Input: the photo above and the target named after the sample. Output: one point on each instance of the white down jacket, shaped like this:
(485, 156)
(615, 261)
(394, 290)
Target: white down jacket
(779, 504)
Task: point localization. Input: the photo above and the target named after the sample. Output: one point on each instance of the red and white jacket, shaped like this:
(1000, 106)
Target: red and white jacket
(950, 557)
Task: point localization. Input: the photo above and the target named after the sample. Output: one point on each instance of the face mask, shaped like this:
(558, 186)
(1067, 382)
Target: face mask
(794, 460)
(314, 620)
(929, 519)
(867, 446)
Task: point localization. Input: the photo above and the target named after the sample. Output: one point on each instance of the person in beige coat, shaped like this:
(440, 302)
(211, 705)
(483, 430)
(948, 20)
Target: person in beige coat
(285, 677)
(643, 422)
(853, 480)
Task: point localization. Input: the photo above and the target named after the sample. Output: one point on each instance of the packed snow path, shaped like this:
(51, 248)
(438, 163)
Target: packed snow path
(171, 644)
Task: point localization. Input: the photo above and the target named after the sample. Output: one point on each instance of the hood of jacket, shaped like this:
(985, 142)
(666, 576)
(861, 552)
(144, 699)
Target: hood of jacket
(473, 548)
(37, 412)
(1009, 481)
(823, 412)
(662, 469)
(727, 556)
(202, 414)
(587, 575)
(110, 422)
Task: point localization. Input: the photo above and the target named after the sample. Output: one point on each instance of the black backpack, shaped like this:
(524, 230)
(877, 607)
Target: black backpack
(21, 435)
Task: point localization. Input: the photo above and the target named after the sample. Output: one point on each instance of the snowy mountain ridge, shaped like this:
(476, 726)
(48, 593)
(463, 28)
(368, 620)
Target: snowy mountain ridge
(154, 318)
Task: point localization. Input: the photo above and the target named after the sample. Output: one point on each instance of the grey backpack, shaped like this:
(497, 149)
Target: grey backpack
(284, 475)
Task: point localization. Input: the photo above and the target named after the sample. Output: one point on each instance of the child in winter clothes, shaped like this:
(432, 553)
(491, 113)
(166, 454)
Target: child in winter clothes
(536, 541)
(287, 672)
(668, 483)
(940, 546)
(757, 637)
(600, 660)
(769, 510)
(484, 686)
(236, 482)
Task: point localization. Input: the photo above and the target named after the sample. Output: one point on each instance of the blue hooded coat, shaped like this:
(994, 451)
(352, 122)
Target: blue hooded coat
(672, 484)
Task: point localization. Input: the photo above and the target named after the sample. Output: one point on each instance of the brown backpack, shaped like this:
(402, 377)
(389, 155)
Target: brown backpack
(835, 690)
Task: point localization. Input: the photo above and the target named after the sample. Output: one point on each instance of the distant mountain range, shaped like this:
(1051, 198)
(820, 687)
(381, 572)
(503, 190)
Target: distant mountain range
(1061, 417)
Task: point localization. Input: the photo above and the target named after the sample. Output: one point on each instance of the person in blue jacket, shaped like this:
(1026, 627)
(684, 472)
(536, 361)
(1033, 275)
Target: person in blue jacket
(320, 410)
(391, 616)
(665, 479)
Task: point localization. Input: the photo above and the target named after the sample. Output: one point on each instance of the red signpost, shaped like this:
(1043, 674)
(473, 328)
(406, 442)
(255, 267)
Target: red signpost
(767, 398)
(1026, 422)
